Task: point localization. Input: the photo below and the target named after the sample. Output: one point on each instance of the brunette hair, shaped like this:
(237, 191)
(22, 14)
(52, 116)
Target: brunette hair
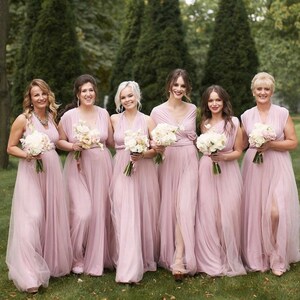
(79, 82)
(173, 76)
(227, 112)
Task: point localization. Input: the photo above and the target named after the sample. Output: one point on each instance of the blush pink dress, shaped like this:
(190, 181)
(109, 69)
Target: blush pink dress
(178, 179)
(87, 189)
(271, 183)
(135, 203)
(218, 217)
(39, 244)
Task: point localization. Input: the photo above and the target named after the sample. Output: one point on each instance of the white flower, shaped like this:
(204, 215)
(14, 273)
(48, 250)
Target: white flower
(210, 142)
(135, 141)
(261, 134)
(85, 136)
(36, 143)
(164, 134)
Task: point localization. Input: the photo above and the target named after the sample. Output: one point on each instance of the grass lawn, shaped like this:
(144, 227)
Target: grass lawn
(155, 285)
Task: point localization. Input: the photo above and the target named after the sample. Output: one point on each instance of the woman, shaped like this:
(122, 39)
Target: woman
(270, 197)
(178, 178)
(87, 172)
(218, 246)
(135, 198)
(39, 243)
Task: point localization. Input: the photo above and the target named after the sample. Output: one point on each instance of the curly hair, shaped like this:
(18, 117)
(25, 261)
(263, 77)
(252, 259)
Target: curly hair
(27, 104)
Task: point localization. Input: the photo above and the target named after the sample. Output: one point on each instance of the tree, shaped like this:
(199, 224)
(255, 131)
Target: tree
(279, 45)
(20, 78)
(161, 48)
(123, 65)
(232, 59)
(98, 34)
(4, 89)
(54, 51)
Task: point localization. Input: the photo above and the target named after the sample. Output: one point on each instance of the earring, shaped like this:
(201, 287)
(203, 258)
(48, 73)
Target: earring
(78, 103)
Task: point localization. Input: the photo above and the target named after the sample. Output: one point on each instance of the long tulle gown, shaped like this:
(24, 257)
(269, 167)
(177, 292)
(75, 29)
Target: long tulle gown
(268, 185)
(218, 214)
(39, 243)
(87, 188)
(178, 178)
(135, 203)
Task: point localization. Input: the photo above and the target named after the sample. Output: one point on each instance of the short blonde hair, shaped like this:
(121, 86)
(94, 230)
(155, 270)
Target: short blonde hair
(135, 90)
(265, 78)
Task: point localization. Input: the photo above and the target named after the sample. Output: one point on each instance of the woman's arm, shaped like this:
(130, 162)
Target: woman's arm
(290, 141)
(16, 133)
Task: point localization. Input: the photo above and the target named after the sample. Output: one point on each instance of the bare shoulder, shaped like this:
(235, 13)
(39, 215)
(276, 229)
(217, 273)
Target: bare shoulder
(114, 119)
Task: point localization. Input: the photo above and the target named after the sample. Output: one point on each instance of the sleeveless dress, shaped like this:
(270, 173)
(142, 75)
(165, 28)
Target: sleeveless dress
(87, 189)
(178, 179)
(266, 184)
(218, 217)
(135, 206)
(39, 243)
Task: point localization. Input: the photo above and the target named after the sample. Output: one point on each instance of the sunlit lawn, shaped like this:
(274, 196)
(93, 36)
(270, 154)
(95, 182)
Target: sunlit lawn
(157, 285)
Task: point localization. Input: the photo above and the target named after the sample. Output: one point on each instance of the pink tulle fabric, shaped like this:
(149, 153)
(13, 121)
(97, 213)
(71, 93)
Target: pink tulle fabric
(218, 217)
(178, 178)
(135, 206)
(39, 243)
(87, 190)
(267, 185)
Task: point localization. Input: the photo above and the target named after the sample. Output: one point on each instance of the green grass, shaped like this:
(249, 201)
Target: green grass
(155, 285)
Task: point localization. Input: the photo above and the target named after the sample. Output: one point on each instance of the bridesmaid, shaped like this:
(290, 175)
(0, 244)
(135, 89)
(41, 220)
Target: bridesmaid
(270, 198)
(87, 180)
(135, 198)
(39, 244)
(218, 220)
(178, 178)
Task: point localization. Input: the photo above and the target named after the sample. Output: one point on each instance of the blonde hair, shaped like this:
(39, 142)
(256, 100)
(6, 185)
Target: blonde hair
(265, 78)
(27, 105)
(135, 90)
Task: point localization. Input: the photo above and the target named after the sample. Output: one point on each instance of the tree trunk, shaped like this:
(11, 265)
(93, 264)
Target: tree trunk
(4, 88)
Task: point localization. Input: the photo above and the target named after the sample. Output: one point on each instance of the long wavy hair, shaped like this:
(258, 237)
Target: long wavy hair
(227, 111)
(135, 90)
(27, 103)
(78, 83)
(172, 78)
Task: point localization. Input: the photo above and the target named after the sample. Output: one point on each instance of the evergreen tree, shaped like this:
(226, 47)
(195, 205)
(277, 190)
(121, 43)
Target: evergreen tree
(232, 60)
(123, 66)
(20, 82)
(54, 52)
(161, 49)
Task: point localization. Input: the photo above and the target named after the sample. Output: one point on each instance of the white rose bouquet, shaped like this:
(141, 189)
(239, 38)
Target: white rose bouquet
(210, 142)
(35, 144)
(136, 142)
(86, 137)
(163, 135)
(260, 134)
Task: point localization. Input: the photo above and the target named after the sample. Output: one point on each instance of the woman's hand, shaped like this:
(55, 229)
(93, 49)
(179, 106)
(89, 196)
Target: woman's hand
(136, 156)
(216, 157)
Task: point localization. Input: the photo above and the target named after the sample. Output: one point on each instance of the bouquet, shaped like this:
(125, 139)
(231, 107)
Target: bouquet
(136, 142)
(210, 142)
(261, 134)
(163, 135)
(35, 144)
(86, 137)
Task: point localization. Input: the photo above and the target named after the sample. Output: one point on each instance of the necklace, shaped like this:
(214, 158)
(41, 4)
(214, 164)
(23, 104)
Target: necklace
(43, 122)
